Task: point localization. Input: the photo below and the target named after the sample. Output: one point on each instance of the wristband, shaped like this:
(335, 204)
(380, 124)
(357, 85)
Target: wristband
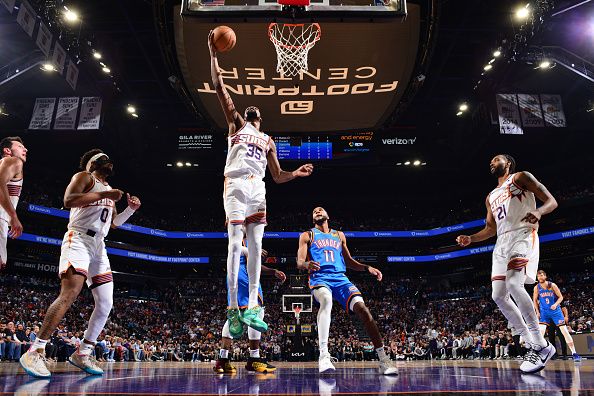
(121, 218)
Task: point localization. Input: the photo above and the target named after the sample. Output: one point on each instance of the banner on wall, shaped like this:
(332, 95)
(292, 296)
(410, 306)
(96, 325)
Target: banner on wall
(27, 18)
(59, 57)
(44, 39)
(90, 113)
(72, 74)
(42, 113)
(552, 108)
(66, 113)
(509, 114)
(530, 110)
(9, 4)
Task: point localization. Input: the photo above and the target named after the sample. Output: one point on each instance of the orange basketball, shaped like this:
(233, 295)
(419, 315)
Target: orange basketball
(223, 38)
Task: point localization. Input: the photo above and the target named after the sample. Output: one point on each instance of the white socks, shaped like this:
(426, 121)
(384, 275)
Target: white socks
(324, 298)
(381, 354)
(254, 233)
(255, 353)
(224, 353)
(85, 349)
(38, 344)
(233, 256)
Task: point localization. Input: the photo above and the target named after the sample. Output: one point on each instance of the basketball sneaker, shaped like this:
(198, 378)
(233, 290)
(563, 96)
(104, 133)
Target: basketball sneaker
(235, 325)
(86, 363)
(33, 363)
(536, 359)
(259, 365)
(325, 364)
(386, 367)
(251, 317)
(224, 366)
(576, 357)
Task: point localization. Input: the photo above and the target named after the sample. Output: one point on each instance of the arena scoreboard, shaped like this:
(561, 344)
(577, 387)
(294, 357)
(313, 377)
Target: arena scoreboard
(321, 147)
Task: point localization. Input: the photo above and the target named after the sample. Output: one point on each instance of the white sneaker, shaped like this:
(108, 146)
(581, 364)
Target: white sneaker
(387, 368)
(86, 363)
(33, 363)
(325, 364)
(536, 359)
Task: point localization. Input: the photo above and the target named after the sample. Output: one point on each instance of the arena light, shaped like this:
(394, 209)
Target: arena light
(523, 12)
(417, 163)
(544, 64)
(188, 164)
(70, 16)
(491, 61)
(423, 163)
(463, 107)
(497, 54)
(131, 109)
(487, 67)
(399, 163)
(48, 67)
(169, 165)
(459, 113)
(97, 55)
(407, 163)
(134, 115)
(179, 164)
(106, 70)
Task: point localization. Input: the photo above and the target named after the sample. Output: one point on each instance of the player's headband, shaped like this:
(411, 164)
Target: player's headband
(95, 158)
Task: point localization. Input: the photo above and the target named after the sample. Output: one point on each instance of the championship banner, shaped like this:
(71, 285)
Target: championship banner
(553, 110)
(90, 113)
(509, 114)
(9, 4)
(42, 113)
(59, 57)
(26, 18)
(44, 39)
(530, 111)
(66, 113)
(72, 74)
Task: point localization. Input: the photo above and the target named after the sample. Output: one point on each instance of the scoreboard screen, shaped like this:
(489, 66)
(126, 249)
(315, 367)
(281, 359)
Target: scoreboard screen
(323, 147)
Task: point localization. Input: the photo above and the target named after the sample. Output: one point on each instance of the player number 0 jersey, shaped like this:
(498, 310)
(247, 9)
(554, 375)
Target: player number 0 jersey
(95, 216)
(509, 204)
(247, 150)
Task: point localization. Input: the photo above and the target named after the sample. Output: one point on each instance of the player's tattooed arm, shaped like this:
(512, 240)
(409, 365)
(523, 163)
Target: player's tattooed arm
(76, 194)
(489, 231)
(279, 175)
(234, 119)
(527, 181)
(302, 262)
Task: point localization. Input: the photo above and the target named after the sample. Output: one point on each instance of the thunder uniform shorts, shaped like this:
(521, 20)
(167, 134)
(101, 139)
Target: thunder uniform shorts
(341, 287)
(88, 257)
(548, 316)
(245, 200)
(518, 250)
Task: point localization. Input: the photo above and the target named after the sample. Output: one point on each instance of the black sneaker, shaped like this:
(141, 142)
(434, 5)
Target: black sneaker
(259, 365)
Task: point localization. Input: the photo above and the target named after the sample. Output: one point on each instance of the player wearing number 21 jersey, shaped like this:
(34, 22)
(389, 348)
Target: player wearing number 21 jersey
(512, 216)
(84, 259)
(250, 152)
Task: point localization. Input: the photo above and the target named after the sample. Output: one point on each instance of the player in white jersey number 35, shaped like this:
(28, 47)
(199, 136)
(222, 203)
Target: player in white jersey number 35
(83, 258)
(250, 152)
(513, 217)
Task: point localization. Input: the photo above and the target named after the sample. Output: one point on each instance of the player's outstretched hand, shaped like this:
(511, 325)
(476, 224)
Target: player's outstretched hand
(463, 240)
(532, 217)
(375, 272)
(280, 275)
(113, 194)
(264, 254)
(313, 265)
(133, 202)
(211, 46)
(304, 170)
(16, 228)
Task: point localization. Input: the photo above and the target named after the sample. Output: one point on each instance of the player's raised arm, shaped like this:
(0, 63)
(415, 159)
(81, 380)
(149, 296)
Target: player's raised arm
(281, 176)
(302, 262)
(489, 231)
(354, 264)
(527, 181)
(9, 168)
(234, 119)
(75, 195)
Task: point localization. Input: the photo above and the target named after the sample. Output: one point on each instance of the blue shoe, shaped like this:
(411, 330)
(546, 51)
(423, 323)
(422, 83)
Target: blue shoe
(577, 358)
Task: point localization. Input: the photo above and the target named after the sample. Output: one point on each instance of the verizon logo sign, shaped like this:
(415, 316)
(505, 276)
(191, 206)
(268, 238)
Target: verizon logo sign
(399, 141)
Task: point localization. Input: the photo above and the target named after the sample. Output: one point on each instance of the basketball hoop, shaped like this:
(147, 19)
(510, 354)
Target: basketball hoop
(293, 42)
(297, 311)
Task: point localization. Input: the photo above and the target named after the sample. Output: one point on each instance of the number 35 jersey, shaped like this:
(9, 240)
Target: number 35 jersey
(95, 216)
(510, 204)
(247, 150)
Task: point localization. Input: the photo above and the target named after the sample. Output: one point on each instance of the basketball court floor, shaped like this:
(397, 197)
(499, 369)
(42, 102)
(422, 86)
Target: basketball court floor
(352, 378)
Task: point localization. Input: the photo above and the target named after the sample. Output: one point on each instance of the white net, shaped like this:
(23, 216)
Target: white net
(292, 43)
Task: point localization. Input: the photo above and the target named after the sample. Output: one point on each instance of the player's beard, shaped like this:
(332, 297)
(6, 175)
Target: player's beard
(499, 171)
(320, 220)
(106, 170)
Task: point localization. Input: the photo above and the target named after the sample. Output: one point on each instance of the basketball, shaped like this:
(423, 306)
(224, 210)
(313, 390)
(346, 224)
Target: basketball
(223, 38)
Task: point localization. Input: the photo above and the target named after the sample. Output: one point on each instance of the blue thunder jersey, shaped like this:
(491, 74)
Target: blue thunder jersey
(546, 298)
(326, 249)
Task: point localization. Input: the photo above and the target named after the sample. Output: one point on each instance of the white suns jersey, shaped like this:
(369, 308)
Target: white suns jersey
(509, 204)
(247, 150)
(14, 192)
(95, 216)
